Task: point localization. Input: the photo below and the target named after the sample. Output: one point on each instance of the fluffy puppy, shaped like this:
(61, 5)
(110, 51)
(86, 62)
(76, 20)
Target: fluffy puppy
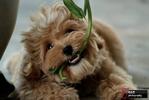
(51, 41)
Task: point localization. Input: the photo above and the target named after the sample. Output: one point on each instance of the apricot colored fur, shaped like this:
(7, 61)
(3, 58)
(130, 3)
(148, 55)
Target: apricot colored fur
(101, 70)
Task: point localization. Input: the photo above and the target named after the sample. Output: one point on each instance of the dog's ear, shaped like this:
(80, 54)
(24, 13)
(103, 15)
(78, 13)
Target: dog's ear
(27, 70)
(112, 41)
(30, 70)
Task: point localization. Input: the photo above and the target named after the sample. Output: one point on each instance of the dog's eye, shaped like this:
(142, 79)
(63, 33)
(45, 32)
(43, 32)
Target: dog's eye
(69, 31)
(49, 46)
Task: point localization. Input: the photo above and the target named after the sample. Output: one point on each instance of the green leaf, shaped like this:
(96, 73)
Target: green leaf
(74, 9)
(78, 12)
(85, 7)
(54, 70)
(89, 28)
(61, 73)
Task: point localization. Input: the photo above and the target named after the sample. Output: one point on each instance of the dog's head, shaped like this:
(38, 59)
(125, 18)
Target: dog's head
(55, 36)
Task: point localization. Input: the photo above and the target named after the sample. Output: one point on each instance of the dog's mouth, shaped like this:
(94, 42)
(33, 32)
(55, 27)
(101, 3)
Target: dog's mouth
(70, 62)
(74, 59)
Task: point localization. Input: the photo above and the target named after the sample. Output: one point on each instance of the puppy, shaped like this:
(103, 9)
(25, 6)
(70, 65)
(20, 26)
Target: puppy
(51, 41)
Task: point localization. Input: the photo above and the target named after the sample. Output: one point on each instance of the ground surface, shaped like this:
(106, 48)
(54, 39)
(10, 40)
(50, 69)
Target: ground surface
(130, 18)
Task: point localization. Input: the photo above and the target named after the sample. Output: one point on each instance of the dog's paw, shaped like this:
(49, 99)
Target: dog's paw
(121, 92)
(115, 92)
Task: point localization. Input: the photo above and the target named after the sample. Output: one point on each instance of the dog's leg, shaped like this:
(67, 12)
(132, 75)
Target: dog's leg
(113, 42)
(116, 82)
(67, 94)
(64, 93)
(46, 89)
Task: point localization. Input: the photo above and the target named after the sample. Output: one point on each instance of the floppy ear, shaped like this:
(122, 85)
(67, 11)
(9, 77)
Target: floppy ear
(112, 41)
(30, 70)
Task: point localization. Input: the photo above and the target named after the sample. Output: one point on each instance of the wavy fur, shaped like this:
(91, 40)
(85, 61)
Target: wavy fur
(101, 70)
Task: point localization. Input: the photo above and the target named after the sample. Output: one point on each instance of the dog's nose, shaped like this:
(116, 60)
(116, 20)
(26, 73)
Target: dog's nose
(68, 50)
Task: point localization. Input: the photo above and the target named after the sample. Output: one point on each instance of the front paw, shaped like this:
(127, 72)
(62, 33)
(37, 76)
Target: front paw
(121, 92)
(114, 92)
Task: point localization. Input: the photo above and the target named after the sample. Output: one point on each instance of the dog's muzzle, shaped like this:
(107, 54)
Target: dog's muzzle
(68, 51)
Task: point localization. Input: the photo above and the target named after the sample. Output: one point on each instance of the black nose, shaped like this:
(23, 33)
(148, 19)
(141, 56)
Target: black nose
(68, 50)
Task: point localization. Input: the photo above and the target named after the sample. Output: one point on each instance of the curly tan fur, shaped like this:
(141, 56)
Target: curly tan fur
(101, 70)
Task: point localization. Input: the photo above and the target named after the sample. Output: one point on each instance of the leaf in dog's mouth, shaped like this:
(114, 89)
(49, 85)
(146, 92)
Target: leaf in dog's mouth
(74, 9)
(59, 70)
(81, 14)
